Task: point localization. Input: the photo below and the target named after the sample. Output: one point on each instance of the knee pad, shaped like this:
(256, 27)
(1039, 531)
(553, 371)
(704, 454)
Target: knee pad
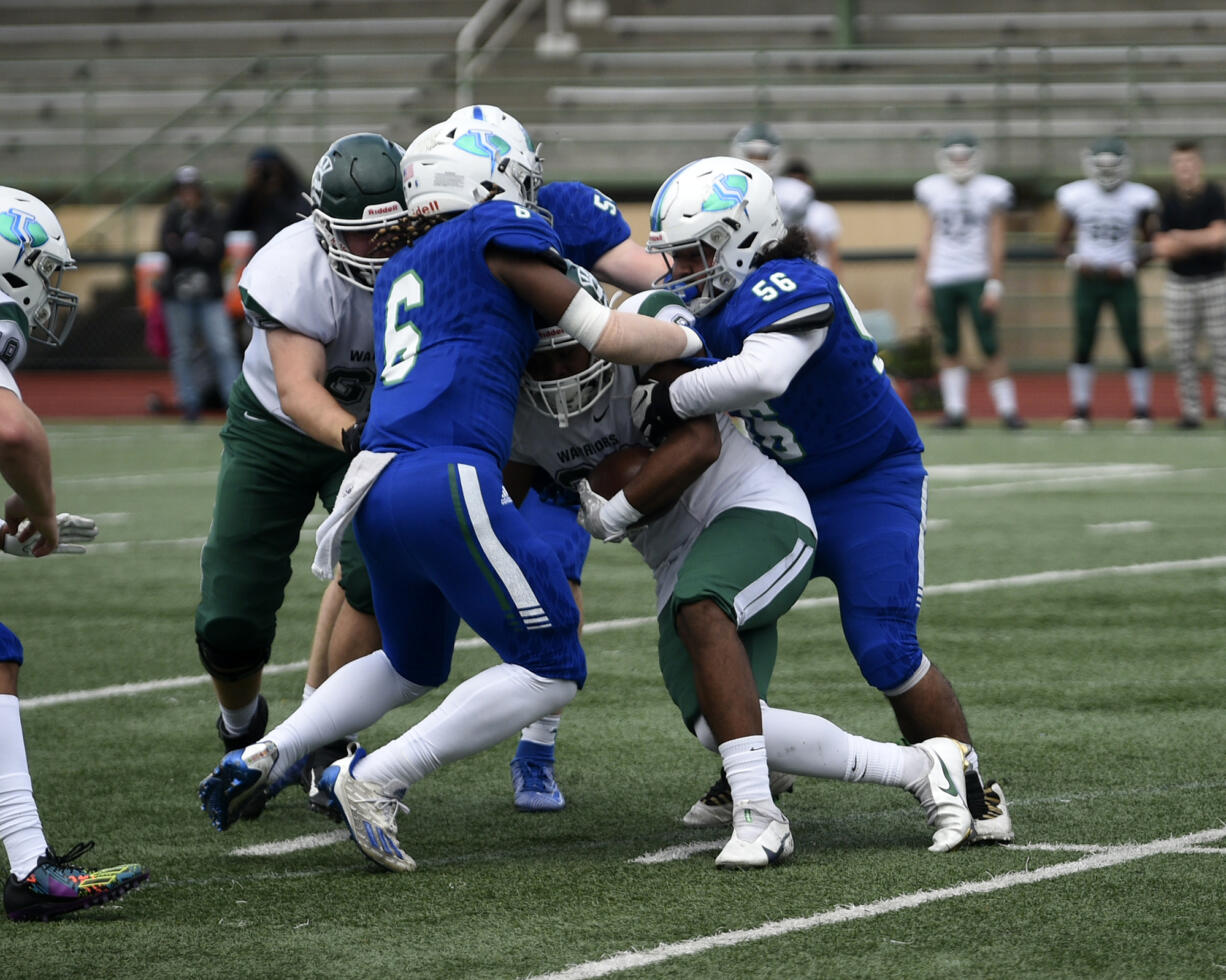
(231, 665)
(889, 667)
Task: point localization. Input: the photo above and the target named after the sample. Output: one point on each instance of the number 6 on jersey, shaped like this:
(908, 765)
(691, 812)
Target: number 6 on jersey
(401, 338)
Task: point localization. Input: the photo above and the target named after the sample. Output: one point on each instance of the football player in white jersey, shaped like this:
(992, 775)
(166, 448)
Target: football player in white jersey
(729, 538)
(292, 425)
(33, 256)
(960, 264)
(1108, 212)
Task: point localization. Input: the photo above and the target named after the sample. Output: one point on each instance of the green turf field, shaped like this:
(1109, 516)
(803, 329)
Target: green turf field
(1076, 597)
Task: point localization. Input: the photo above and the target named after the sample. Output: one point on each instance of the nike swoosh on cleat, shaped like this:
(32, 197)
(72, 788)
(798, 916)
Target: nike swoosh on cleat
(948, 778)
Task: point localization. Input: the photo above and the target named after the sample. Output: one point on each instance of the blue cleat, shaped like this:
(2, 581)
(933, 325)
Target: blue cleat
(237, 784)
(532, 779)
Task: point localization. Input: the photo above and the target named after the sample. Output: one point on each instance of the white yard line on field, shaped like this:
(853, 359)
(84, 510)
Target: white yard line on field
(278, 847)
(1111, 856)
(1121, 527)
(470, 643)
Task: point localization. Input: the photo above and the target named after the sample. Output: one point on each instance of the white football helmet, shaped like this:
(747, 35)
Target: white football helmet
(727, 208)
(1107, 163)
(487, 131)
(959, 156)
(564, 398)
(759, 144)
(33, 257)
(356, 188)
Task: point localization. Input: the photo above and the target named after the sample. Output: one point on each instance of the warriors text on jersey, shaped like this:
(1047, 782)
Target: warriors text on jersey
(961, 213)
(289, 284)
(587, 222)
(451, 341)
(840, 414)
(1107, 221)
(741, 477)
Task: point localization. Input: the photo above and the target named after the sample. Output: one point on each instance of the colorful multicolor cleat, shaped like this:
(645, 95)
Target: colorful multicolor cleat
(58, 886)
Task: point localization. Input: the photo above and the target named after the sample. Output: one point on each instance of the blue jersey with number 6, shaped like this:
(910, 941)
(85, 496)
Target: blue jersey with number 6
(451, 341)
(587, 222)
(840, 414)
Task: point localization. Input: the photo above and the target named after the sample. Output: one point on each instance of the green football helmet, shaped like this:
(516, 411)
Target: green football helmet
(959, 156)
(759, 144)
(356, 189)
(1107, 163)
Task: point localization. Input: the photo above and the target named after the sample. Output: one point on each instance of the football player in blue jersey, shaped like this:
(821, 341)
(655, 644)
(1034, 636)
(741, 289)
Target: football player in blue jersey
(799, 368)
(455, 316)
(594, 235)
(33, 257)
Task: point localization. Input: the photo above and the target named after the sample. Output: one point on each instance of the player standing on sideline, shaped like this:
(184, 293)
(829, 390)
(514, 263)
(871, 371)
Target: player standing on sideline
(798, 367)
(729, 539)
(33, 256)
(461, 549)
(1107, 210)
(291, 428)
(960, 264)
(1192, 240)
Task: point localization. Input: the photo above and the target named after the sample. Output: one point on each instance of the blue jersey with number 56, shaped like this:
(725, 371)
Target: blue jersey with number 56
(840, 414)
(587, 222)
(451, 340)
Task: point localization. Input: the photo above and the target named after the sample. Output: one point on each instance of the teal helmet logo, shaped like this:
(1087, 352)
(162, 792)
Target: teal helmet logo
(727, 192)
(22, 229)
(484, 144)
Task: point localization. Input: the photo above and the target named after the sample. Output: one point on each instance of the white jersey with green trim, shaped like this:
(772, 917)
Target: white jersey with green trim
(1107, 221)
(961, 214)
(741, 477)
(289, 284)
(12, 340)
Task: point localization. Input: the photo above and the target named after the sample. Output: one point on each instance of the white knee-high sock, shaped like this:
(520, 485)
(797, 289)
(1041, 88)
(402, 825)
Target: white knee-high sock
(20, 828)
(481, 712)
(810, 745)
(1139, 385)
(1081, 385)
(1004, 396)
(746, 768)
(353, 698)
(954, 382)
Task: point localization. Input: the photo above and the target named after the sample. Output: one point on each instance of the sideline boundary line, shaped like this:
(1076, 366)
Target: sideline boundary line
(1121, 854)
(472, 643)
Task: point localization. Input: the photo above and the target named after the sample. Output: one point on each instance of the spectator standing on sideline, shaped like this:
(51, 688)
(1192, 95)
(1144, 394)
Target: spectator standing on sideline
(271, 199)
(192, 236)
(1192, 240)
(959, 265)
(1108, 211)
(33, 256)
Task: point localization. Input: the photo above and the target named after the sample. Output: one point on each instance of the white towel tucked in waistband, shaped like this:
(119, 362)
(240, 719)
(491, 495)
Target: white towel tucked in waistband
(363, 472)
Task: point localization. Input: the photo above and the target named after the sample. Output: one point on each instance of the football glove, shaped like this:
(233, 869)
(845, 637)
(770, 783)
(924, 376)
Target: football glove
(75, 532)
(592, 507)
(651, 409)
(351, 439)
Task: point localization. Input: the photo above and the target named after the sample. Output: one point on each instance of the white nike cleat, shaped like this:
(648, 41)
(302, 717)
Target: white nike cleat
(369, 812)
(941, 791)
(761, 835)
(715, 807)
(995, 826)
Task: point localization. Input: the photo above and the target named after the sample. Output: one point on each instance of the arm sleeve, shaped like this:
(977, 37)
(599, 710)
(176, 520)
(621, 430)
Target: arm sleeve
(763, 369)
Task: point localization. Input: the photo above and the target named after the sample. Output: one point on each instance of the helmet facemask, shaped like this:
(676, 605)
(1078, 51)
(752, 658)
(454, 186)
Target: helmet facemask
(571, 394)
(1107, 163)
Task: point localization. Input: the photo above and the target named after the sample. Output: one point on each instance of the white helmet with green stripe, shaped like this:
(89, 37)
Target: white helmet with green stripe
(33, 257)
(727, 208)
